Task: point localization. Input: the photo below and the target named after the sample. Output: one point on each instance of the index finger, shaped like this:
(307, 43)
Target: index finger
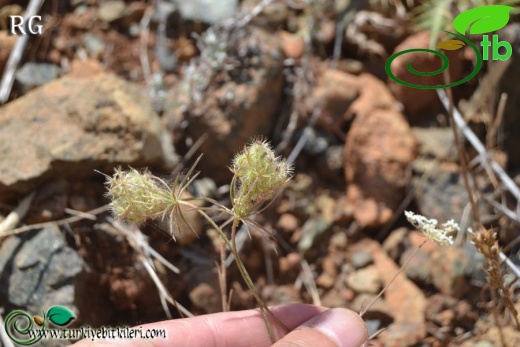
(239, 328)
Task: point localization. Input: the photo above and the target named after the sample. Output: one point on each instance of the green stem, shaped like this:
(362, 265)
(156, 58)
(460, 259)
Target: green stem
(245, 275)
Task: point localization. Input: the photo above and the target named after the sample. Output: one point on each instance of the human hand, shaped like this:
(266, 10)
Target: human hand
(309, 325)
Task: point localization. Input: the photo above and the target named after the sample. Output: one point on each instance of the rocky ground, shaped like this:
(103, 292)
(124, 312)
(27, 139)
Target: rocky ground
(155, 84)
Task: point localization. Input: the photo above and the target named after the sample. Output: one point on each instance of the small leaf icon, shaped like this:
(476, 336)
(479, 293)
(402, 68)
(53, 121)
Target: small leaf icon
(60, 315)
(38, 320)
(451, 45)
(483, 19)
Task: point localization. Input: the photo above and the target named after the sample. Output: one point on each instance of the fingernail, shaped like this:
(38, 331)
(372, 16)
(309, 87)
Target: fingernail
(343, 326)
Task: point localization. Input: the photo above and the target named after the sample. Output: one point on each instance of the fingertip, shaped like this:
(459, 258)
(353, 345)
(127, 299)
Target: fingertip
(334, 327)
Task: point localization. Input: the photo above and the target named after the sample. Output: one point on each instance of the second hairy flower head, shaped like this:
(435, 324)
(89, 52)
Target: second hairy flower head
(258, 176)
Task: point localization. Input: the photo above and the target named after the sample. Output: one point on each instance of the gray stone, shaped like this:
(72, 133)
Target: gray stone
(38, 271)
(207, 11)
(436, 143)
(440, 192)
(229, 106)
(163, 9)
(204, 187)
(366, 280)
(311, 231)
(94, 44)
(361, 259)
(334, 157)
(317, 140)
(32, 75)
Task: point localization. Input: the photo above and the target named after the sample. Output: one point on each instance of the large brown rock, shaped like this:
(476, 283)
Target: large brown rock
(333, 95)
(72, 126)
(236, 104)
(379, 149)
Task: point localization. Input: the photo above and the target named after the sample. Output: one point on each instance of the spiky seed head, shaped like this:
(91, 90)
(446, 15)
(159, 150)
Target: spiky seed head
(258, 176)
(136, 196)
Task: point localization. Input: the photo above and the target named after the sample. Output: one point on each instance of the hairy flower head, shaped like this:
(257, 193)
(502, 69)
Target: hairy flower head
(137, 196)
(258, 176)
(429, 228)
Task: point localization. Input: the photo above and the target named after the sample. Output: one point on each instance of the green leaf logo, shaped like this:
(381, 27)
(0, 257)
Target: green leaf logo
(451, 45)
(483, 19)
(60, 315)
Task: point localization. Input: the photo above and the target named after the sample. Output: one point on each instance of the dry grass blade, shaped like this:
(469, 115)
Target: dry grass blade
(309, 282)
(483, 156)
(485, 90)
(6, 341)
(138, 241)
(433, 15)
(163, 292)
(16, 216)
(58, 222)
(253, 13)
(144, 38)
(84, 215)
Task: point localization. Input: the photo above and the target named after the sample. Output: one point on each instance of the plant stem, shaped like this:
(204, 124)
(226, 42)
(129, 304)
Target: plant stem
(222, 276)
(363, 311)
(245, 275)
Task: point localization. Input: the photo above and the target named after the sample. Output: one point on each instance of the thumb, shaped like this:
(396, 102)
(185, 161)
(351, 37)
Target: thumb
(337, 327)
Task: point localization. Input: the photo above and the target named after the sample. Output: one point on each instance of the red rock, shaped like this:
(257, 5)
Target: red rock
(290, 263)
(330, 265)
(292, 45)
(325, 281)
(334, 94)
(206, 297)
(338, 242)
(374, 94)
(448, 270)
(287, 222)
(404, 299)
(511, 336)
(378, 151)
(85, 68)
(280, 295)
(417, 238)
(403, 334)
(395, 242)
(366, 280)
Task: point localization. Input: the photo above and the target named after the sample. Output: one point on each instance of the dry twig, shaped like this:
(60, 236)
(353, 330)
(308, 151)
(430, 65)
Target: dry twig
(57, 223)
(6, 341)
(16, 216)
(138, 242)
(16, 54)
